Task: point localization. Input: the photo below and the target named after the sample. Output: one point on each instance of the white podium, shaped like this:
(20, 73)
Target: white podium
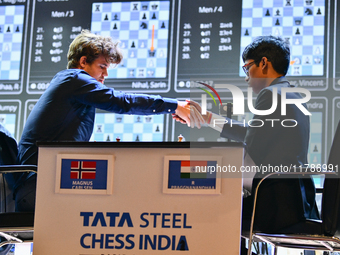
(137, 198)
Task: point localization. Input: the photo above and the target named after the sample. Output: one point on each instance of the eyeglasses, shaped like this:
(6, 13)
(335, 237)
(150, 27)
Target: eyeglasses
(246, 67)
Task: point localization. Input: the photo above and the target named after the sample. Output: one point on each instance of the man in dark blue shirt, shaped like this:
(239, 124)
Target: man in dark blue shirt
(288, 200)
(66, 110)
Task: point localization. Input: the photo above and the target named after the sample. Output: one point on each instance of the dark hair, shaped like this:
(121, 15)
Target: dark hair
(92, 46)
(275, 49)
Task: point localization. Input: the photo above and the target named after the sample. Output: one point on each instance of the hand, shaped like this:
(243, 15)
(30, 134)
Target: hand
(206, 117)
(185, 113)
(177, 118)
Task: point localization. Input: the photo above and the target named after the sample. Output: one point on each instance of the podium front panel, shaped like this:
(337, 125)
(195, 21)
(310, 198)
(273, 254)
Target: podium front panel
(137, 211)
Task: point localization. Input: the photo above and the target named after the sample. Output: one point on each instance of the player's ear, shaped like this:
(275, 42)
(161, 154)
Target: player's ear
(82, 62)
(264, 62)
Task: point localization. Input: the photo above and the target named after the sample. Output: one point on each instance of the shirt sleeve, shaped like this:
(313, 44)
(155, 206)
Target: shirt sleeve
(91, 92)
(234, 130)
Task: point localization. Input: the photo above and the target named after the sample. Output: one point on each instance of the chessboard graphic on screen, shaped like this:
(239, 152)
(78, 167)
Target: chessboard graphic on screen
(11, 31)
(8, 120)
(301, 23)
(143, 31)
(128, 128)
(315, 142)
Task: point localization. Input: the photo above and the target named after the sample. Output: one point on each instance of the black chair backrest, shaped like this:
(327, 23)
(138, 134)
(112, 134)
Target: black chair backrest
(331, 193)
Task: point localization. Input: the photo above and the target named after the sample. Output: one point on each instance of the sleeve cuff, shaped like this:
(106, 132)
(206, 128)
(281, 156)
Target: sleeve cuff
(170, 105)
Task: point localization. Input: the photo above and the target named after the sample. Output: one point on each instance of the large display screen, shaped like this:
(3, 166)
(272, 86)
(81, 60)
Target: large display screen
(169, 46)
(143, 30)
(301, 24)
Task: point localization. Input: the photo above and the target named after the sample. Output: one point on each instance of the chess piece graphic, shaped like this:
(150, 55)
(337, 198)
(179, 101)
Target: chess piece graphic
(308, 11)
(277, 23)
(144, 25)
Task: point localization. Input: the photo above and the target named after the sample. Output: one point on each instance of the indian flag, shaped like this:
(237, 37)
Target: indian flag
(194, 169)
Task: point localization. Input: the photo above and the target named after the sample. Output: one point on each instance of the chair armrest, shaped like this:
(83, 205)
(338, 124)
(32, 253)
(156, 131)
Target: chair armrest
(18, 169)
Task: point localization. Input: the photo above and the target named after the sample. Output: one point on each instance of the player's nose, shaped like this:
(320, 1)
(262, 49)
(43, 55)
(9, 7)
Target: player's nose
(105, 73)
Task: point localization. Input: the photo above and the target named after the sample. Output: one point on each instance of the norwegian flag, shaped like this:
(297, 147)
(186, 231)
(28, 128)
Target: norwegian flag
(83, 169)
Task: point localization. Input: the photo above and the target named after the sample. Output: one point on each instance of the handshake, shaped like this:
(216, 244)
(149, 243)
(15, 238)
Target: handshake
(189, 112)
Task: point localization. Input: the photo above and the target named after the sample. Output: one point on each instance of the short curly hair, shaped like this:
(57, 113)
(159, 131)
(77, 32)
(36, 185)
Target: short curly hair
(92, 46)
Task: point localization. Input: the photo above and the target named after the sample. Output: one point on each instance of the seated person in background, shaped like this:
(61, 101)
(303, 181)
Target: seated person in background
(8, 147)
(8, 154)
(282, 202)
(66, 110)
